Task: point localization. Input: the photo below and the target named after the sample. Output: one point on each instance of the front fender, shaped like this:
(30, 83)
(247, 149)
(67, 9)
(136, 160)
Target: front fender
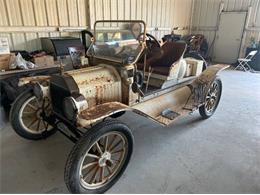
(102, 111)
(26, 80)
(99, 112)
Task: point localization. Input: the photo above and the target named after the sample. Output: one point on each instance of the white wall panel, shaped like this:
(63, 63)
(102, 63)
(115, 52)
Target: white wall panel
(21, 15)
(205, 17)
(156, 13)
(165, 14)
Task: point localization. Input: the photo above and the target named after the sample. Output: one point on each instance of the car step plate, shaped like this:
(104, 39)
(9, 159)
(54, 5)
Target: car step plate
(169, 114)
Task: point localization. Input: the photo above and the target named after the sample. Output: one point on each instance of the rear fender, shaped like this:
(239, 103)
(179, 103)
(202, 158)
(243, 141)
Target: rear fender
(202, 83)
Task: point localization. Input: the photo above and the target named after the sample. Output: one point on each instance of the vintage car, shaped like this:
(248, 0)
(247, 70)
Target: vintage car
(129, 71)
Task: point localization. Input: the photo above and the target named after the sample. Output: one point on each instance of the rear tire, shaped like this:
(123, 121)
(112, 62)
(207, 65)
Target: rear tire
(94, 152)
(212, 99)
(31, 127)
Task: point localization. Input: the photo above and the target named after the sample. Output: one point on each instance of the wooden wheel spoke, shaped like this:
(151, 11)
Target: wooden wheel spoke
(46, 125)
(33, 122)
(38, 103)
(38, 125)
(93, 156)
(98, 148)
(114, 137)
(89, 165)
(102, 170)
(32, 106)
(106, 143)
(118, 151)
(109, 170)
(117, 144)
(94, 175)
(87, 174)
(28, 113)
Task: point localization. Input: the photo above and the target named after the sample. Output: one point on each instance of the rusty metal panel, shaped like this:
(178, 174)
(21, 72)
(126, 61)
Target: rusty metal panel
(99, 112)
(99, 84)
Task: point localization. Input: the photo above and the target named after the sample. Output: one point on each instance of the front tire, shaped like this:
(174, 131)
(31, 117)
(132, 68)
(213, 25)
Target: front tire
(25, 117)
(212, 99)
(99, 158)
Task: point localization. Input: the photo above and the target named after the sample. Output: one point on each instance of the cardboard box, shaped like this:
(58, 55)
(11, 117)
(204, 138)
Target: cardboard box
(44, 61)
(6, 60)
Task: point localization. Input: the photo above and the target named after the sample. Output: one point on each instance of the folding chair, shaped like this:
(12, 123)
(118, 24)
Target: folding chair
(243, 62)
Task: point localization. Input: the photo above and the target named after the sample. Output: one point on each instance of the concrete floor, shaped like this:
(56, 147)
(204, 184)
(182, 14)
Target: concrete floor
(218, 155)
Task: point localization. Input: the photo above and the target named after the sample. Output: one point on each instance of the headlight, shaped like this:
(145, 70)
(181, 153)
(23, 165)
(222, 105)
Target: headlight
(40, 91)
(72, 106)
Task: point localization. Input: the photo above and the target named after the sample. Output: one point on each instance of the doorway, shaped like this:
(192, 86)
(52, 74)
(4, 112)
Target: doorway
(229, 37)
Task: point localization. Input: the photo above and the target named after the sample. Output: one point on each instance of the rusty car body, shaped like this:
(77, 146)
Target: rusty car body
(129, 70)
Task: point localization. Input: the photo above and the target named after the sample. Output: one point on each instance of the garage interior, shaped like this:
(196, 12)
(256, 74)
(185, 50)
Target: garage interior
(218, 155)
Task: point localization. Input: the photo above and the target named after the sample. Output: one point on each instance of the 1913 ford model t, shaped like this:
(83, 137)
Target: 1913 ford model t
(129, 71)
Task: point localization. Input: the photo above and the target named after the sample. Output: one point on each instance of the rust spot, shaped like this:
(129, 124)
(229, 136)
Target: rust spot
(102, 110)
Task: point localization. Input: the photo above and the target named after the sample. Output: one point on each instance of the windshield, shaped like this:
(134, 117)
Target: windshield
(119, 41)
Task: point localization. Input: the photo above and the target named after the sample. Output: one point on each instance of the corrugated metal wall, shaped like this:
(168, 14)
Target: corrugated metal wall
(205, 17)
(24, 21)
(161, 15)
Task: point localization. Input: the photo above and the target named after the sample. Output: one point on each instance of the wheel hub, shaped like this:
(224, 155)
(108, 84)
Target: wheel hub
(104, 159)
(39, 113)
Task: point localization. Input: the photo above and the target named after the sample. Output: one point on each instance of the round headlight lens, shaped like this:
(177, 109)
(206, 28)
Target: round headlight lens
(70, 108)
(73, 105)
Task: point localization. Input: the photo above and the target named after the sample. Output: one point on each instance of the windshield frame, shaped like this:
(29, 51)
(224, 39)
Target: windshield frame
(142, 43)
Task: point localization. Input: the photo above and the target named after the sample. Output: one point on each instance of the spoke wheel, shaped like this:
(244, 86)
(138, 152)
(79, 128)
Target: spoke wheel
(30, 115)
(99, 158)
(212, 99)
(26, 116)
(103, 160)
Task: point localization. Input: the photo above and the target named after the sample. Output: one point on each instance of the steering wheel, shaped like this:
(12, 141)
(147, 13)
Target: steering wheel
(151, 41)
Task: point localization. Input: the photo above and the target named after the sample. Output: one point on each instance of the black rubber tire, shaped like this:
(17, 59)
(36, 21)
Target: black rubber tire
(14, 119)
(202, 110)
(71, 173)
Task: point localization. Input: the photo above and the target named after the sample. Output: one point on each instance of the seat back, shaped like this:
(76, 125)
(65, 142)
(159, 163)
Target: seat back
(172, 52)
(252, 54)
